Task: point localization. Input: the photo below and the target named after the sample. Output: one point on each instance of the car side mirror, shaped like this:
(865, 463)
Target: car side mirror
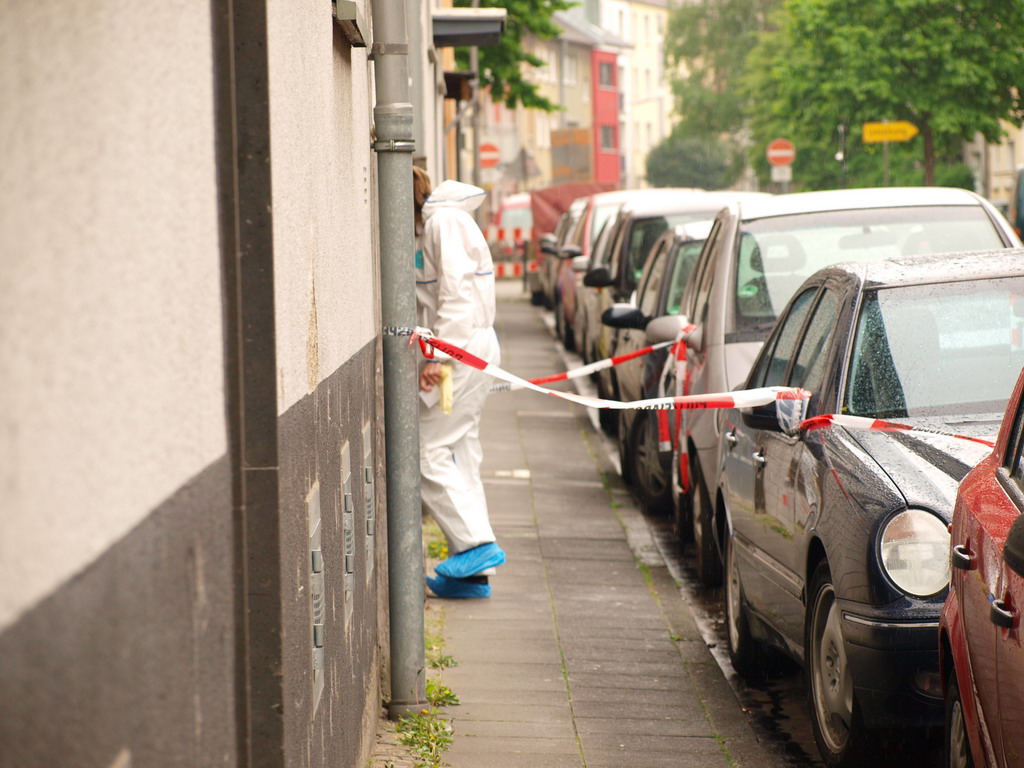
(665, 328)
(785, 416)
(581, 264)
(570, 252)
(549, 244)
(1013, 549)
(598, 277)
(761, 417)
(623, 316)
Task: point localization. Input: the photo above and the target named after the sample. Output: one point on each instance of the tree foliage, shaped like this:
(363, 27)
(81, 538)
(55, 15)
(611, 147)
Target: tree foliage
(501, 67)
(707, 43)
(951, 67)
(692, 161)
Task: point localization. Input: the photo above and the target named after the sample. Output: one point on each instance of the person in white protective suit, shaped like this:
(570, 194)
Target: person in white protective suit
(455, 300)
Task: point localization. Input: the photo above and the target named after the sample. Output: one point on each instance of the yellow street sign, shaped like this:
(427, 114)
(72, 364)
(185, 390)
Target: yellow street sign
(900, 130)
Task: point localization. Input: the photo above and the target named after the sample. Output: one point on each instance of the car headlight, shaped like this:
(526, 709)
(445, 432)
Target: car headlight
(915, 552)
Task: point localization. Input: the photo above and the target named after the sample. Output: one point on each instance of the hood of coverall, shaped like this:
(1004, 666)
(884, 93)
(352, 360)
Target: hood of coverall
(453, 194)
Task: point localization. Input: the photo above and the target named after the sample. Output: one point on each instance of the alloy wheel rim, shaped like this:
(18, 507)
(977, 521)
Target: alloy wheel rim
(832, 684)
(732, 596)
(957, 737)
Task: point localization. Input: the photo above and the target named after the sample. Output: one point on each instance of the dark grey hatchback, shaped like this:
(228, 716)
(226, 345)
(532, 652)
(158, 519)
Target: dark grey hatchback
(835, 537)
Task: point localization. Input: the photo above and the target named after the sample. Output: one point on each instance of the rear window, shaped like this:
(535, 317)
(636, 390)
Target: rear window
(777, 254)
(517, 218)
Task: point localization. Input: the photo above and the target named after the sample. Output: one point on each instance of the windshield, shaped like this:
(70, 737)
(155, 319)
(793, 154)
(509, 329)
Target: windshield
(937, 350)
(777, 254)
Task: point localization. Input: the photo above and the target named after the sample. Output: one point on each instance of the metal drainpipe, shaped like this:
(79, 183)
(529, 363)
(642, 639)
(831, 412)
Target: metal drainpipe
(393, 118)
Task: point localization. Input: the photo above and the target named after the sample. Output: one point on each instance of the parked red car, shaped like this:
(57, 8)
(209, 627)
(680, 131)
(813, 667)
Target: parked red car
(981, 653)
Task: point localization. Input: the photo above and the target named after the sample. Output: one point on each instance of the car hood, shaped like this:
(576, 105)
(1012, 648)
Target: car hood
(926, 468)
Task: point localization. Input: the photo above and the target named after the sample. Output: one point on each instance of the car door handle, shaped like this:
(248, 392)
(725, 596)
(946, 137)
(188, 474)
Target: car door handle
(1002, 616)
(731, 439)
(759, 459)
(961, 558)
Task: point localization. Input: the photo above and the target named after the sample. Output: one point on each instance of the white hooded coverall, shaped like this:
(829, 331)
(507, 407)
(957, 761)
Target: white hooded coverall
(455, 299)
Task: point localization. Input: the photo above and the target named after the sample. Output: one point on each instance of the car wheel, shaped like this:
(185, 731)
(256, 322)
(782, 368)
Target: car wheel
(626, 466)
(607, 417)
(653, 482)
(957, 747)
(744, 650)
(568, 335)
(559, 319)
(709, 565)
(838, 729)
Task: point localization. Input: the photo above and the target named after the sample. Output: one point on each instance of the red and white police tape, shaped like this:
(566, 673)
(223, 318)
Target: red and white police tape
(585, 370)
(739, 399)
(790, 401)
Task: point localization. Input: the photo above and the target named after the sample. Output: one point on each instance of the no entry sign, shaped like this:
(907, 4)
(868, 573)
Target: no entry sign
(489, 155)
(781, 152)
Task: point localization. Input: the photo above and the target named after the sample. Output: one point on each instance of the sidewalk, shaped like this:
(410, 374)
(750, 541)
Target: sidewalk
(586, 655)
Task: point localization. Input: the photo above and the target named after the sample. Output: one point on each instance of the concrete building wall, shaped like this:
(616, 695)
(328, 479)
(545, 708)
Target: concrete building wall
(648, 103)
(191, 354)
(113, 393)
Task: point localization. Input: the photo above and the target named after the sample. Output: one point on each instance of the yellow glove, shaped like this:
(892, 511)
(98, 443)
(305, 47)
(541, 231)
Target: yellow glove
(446, 390)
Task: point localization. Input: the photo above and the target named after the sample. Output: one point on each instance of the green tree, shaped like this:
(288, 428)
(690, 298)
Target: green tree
(707, 43)
(951, 67)
(692, 161)
(501, 66)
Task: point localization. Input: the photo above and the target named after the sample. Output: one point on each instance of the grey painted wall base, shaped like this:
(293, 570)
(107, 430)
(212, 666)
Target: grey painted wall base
(132, 663)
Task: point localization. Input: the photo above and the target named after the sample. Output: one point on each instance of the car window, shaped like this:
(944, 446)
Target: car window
(944, 349)
(697, 306)
(786, 339)
(1014, 458)
(622, 227)
(777, 254)
(642, 236)
(686, 259)
(602, 250)
(809, 368)
(650, 291)
(602, 215)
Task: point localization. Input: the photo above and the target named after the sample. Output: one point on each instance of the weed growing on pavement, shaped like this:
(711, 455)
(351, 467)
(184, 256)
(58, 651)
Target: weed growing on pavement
(439, 694)
(427, 735)
(436, 543)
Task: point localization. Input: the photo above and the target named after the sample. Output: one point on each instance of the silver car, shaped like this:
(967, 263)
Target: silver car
(758, 253)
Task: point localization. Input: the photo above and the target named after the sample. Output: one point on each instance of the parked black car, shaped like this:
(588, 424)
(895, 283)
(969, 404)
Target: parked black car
(836, 541)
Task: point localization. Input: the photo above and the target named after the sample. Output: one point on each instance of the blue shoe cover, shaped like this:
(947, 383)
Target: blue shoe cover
(452, 588)
(471, 562)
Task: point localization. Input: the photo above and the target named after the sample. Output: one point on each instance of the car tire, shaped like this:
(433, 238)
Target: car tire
(745, 652)
(653, 483)
(956, 747)
(537, 298)
(835, 715)
(709, 564)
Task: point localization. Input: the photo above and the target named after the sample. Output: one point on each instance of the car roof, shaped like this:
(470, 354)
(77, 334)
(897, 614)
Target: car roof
(934, 268)
(854, 199)
(667, 201)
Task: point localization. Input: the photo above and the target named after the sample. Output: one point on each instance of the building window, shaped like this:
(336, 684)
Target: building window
(608, 138)
(606, 74)
(572, 72)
